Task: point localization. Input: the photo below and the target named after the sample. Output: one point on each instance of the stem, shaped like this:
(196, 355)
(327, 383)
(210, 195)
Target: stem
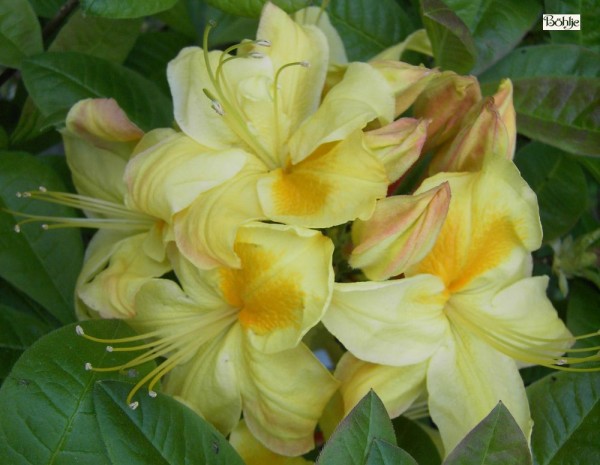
(49, 29)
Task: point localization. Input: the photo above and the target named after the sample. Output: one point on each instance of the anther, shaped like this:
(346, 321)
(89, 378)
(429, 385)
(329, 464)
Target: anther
(109, 348)
(561, 362)
(217, 107)
(42, 189)
(88, 366)
(19, 194)
(263, 42)
(256, 55)
(212, 23)
(152, 394)
(134, 405)
(17, 228)
(44, 226)
(79, 330)
(304, 64)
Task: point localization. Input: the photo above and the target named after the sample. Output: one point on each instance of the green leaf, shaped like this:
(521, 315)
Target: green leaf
(452, 43)
(56, 81)
(109, 39)
(384, 453)
(560, 185)
(20, 32)
(46, 402)
(565, 408)
(414, 439)
(589, 35)
(118, 9)
(496, 440)
(350, 442)
(592, 166)
(366, 30)
(46, 8)
(161, 431)
(252, 8)
(556, 94)
(496, 26)
(34, 260)
(583, 316)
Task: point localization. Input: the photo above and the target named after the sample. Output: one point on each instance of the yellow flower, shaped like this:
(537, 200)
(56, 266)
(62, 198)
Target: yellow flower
(306, 161)
(232, 337)
(463, 317)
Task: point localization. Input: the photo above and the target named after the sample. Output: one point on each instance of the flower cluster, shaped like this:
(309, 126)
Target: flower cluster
(221, 241)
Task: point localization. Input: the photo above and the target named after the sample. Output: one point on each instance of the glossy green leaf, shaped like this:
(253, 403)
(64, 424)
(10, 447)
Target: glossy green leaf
(161, 431)
(109, 39)
(592, 165)
(565, 408)
(556, 94)
(252, 8)
(352, 439)
(589, 11)
(583, 316)
(496, 26)
(366, 30)
(34, 260)
(56, 81)
(560, 185)
(46, 402)
(119, 9)
(20, 32)
(47, 8)
(496, 440)
(413, 439)
(384, 453)
(451, 40)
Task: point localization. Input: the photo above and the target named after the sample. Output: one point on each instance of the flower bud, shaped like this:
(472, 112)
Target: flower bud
(401, 232)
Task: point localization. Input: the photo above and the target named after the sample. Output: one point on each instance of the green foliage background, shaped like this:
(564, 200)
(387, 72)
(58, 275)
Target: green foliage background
(54, 53)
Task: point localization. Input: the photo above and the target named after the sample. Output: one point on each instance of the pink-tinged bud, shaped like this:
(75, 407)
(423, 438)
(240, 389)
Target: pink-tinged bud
(483, 134)
(503, 100)
(407, 81)
(401, 232)
(101, 121)
(398, 145)
(445, 102)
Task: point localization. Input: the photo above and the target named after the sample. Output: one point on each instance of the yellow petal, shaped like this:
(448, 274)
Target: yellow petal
(284, 283)
(398, 145)
(254, 452)
(394, 322)
(417, 41)
(402, 230)
(492, 225)
(167, 177)
(397, 387)
(99, 139)
(337, 183)
(314, 15)
(284, 395)
(112, 291)
(503, 100)
(361, 97)
(206, 230)
(298, 88)
(466, 379)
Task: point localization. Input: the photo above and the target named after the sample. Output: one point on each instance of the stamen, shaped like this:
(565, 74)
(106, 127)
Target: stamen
(134, 405)
(109, 348)
(79, 330)
(88, 366)
(152, 394)
(17, 228)
(263, 42)
(42, 189)
(256, 55)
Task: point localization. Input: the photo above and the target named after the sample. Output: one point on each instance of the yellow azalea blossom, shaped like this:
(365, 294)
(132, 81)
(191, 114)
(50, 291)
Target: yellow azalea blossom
(99, 140)
(232, 336)
(307, 162)
(464, 316)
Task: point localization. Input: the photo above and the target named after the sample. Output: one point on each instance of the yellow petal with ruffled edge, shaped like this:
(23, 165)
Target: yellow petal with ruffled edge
(338, 183)
(112, 291)
(298, 89)
(466, 379)
(283, 286)
(348, 106)
(317, 16)
(394, 322)
(284, 394)
(397, 387)
(402, 230)
(168, 176)
(493, 220)
(254, 452)
(99, 139)
(205, 231)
